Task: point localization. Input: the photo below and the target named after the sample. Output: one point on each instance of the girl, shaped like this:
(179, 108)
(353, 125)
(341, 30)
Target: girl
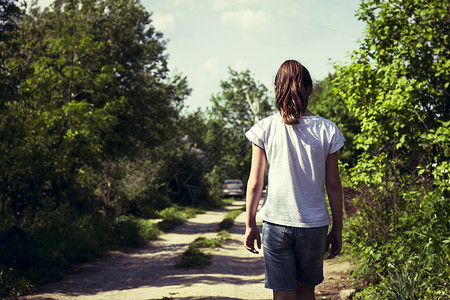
(301, 152)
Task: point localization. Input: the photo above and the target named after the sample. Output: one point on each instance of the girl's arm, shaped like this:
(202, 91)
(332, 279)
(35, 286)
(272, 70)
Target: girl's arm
(334, 191)
(254, 190)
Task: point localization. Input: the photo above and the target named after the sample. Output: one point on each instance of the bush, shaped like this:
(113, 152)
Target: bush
(229, 218)
(193, 257)
(39, 250)
(174, 216)
(406, 256)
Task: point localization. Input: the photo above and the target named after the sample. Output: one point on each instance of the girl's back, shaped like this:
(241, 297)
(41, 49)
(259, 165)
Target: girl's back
(296, 156)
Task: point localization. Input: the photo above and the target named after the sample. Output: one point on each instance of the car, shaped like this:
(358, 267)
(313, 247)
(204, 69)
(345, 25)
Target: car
(233, 187)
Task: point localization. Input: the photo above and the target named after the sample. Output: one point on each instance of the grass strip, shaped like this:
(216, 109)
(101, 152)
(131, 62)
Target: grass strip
(174, 216)
(228, 220)
(194, 257)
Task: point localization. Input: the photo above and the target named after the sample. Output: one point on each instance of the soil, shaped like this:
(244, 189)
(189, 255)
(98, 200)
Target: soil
(149, 272)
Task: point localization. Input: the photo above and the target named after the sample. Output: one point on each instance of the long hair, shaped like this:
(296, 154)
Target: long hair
(293, 86)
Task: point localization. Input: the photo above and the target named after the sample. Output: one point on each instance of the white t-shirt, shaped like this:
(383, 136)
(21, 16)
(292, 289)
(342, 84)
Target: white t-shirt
(296, 156)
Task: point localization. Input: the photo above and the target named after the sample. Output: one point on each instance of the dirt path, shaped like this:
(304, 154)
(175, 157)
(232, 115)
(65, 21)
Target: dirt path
(149, 273)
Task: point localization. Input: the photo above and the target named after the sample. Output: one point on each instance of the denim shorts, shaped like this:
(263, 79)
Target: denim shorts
(293, 254)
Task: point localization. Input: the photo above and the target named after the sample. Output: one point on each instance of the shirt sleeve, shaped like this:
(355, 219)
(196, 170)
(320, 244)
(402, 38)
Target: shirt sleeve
(337, 141)
(256, 134)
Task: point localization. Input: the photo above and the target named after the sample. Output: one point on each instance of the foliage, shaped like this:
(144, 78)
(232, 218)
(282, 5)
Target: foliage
(397, 86)
(234, 111)
(90, 137)
(228, 220)
(224, 235)
(42, 248)
(232, 106)
(174, 216)
(92, 91)
(410, 255)
(203, 242)
(325, 102)
(193, 257)
(11, 12)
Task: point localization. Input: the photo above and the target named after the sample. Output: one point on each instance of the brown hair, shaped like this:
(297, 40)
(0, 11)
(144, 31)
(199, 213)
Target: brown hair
(293, 86)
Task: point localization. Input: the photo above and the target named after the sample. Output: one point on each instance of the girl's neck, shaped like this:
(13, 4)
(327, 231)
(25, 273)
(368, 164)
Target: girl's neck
(307, 113)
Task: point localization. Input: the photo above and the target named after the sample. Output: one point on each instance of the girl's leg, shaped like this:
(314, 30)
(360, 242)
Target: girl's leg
(284, 295)
(304, 292)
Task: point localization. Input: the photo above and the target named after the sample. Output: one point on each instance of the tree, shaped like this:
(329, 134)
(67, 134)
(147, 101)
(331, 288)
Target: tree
(10, 16)
(94, 88)
(234, 110)
(397, 84)
(231, 106)
(325, 102)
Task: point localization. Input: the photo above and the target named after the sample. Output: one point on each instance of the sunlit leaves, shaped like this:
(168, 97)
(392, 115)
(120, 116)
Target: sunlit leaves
(91, 80)
(397, 84)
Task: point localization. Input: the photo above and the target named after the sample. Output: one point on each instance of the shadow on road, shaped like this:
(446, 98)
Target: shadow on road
(152, 267)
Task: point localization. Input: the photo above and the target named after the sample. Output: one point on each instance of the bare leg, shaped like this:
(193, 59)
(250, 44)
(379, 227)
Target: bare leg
(284, 295)
(304, 292)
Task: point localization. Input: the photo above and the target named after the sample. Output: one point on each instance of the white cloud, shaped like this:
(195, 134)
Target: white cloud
(240, 65)
(211, 65)
(245, 19)
(163, 21)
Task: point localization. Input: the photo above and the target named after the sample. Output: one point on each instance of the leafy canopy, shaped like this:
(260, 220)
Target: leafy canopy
(90, 85)
(398, 86)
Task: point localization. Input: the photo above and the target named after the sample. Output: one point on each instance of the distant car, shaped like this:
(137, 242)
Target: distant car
(233, 187)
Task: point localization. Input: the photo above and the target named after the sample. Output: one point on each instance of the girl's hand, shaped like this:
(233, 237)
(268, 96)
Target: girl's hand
(252, 234)
(335, 240)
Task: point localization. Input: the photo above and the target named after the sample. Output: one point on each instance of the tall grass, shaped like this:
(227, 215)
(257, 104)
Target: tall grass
(194, 257)
(404, 252)
(39, 250)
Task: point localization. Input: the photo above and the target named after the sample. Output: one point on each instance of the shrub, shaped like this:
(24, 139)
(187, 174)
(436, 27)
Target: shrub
(229, 218)
(193, 257)
(174, 216)
(408, 254)
(39, 250)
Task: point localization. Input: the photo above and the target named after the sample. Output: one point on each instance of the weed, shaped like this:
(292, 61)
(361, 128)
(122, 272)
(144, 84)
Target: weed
(203, 242)
(193, 257)
(174, 216)
(228, 220)
(224, 235)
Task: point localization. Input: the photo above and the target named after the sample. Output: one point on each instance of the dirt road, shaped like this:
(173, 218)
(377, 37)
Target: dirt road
(149, 272)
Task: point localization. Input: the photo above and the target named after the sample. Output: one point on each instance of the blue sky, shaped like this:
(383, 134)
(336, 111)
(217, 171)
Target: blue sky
(205, 37)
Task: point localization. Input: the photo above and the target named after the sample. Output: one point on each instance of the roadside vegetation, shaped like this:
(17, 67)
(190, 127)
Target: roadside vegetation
(43, 249)
(397, 86)
(195, 257)
(94, 139)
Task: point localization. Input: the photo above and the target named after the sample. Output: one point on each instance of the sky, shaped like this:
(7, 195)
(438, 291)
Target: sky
(206, 37)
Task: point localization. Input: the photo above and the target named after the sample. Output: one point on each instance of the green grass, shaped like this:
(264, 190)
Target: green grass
(174, 216)
(224, 235)
(194, 257)
(228, 220)
(42, 249)
(203, 242)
